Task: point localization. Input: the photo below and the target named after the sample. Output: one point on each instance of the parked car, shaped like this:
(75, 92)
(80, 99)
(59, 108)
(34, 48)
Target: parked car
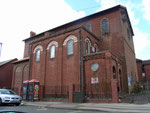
(9, 97)
(11, 111)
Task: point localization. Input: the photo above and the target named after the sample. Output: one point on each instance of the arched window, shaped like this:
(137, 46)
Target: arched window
(96, 48)
(52, 51)
(104, 26)
(38, 55)
(37, 51)
(87, 44)
(18, 69)
(71, 37)
(114, 72)
(70, 47)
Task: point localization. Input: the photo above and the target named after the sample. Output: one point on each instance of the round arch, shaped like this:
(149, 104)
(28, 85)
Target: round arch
(52, 43)
(87, 46)
(71, 37)
(38, 47)
(88, 40)
(25, 72)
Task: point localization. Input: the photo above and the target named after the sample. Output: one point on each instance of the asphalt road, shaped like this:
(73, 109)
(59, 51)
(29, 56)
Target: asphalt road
(32, 109)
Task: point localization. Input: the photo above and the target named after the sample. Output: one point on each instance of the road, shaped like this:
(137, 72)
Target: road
(32, 109)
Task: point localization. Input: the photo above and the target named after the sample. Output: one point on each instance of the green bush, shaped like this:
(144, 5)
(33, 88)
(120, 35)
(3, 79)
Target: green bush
(137, 88)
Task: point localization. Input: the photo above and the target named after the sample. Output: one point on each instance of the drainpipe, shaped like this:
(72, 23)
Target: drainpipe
(45, 53)
(30, 59)
(84, 75)
(82, 68)
(81, 63)
(80, 56)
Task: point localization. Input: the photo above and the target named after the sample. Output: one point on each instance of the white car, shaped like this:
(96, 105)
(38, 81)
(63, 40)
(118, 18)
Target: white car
(9, 97)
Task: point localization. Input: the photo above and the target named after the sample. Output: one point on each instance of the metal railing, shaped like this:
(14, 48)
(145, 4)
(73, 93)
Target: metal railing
(56, 92)
(99, 91)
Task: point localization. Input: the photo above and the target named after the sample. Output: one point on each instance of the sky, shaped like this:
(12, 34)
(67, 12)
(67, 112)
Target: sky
(19, 17)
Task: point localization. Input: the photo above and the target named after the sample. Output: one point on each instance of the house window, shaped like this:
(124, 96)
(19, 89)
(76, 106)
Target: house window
(52, 51)
(70, 47)
(88, 27)
(38, 55)
(87, 47)
(104, 26)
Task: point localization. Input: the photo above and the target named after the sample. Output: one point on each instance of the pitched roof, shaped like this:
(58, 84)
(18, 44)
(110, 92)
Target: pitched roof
(146, 62)
(138, 60)
(83, 19)
(7, 61)
(21, 60)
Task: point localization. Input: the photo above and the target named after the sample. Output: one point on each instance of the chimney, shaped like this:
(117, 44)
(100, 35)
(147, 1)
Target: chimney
(32, 33)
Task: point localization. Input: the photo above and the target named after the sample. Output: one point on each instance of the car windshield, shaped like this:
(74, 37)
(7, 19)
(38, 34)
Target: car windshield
(7, 92)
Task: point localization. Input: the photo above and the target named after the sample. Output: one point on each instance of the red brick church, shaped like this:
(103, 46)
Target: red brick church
(86, 55)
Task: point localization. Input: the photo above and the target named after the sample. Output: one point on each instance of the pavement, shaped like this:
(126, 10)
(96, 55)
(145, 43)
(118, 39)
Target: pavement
(106, 107)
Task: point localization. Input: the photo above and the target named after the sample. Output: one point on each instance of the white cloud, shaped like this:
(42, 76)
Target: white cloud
(141, 40)
(146, 9)
(19, 17)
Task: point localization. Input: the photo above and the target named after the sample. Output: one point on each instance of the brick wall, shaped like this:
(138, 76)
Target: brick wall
(26, 49)
(139, 69)
(104, 74)
(147, 72)
(20, 74)
(6, 73)
(61, 70)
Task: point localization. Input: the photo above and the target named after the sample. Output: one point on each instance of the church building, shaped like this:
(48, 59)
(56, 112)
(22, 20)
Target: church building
(86, 56)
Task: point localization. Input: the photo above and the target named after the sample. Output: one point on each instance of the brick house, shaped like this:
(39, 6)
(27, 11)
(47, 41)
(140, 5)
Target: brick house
(143, 67)
(6, 73)
(88, 54)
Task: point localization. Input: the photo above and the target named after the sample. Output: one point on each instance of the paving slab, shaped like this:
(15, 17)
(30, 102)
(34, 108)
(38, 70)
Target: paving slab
(108, 107)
